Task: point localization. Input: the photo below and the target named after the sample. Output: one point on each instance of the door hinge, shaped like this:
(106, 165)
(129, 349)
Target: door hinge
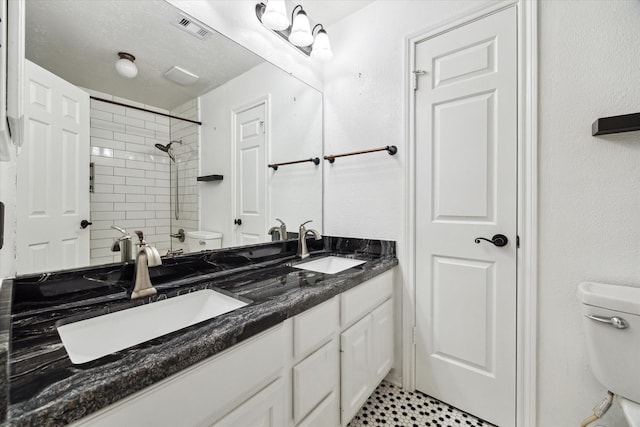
(413, 333)
(262, 126)
(517, 241)
(415, 75)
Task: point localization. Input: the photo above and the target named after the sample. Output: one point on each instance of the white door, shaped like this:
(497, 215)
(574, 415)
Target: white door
(249, 134)
(53, 175)
(466, 136)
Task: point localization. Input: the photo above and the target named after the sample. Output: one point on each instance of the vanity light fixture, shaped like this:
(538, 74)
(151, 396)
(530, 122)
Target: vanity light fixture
(125, 65)
(274, 16)
(321, 48)
(300, 29)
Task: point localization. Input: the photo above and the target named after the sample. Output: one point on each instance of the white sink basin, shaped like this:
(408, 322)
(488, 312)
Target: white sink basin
(93, 338)
(330, 264)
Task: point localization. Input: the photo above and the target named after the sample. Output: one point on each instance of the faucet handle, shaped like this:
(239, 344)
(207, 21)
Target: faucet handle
(140, 236)
(280, 221)
(120, 229)
(305, 223)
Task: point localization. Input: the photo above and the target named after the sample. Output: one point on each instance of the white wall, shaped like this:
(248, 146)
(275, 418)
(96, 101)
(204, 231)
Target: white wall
(589, 194)
(295, 118)
(589, 187)
(365, 108)
(8, 197)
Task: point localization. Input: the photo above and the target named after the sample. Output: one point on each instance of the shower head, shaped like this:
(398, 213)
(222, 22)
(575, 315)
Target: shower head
(167, 148)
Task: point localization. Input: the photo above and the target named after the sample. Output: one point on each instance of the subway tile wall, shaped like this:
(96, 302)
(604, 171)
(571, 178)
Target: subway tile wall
(132, 177)
(187, 162)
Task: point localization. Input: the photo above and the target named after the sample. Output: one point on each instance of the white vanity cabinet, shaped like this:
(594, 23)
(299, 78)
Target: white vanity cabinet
(355, 364)
(204, 393)
(298, 373)
(316, 369)
(367, 346)
(366, 358)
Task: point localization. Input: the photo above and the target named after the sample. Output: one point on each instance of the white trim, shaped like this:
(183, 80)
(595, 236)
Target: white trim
(262, 100)
(5, 139)
(409, 273)
(16, 25)
(527, 213)
(527, 200)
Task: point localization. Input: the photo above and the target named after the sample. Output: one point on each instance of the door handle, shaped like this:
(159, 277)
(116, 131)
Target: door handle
(499, 240)
(237, 221)
(84, 223)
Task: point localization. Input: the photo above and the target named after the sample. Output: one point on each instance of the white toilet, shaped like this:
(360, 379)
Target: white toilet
(613, 341)
(203, 240)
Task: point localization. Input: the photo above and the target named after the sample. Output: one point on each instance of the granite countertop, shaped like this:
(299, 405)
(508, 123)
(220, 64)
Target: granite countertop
(41, 386)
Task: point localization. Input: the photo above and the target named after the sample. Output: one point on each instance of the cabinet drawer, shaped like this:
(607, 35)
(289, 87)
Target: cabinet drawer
(205, 391)
(359, 301)
(313, 327)
(265, 409)
(314, 378)
(325, 415)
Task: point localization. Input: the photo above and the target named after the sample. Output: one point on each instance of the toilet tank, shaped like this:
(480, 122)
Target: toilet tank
(203, 240)
(614, 353)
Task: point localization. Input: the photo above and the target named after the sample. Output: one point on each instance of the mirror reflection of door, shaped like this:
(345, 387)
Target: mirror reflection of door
(53, 175)
(250, 148)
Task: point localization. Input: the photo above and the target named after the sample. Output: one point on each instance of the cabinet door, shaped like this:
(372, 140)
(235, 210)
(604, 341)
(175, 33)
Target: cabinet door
(264, 409)
(324, 415)
(382, 340)
(355, 359)
(314, 379)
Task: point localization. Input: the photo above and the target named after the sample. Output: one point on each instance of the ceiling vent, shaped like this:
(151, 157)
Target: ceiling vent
(192, 26)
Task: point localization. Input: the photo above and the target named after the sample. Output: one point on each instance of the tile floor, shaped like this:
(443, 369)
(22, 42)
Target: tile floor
(390, 406)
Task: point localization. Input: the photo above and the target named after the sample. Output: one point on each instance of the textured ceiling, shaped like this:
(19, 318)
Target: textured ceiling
(327, 12)
(78, 40)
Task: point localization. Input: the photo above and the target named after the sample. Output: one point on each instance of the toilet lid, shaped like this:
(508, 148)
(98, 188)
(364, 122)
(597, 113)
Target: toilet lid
(200, 234)
(613, 297)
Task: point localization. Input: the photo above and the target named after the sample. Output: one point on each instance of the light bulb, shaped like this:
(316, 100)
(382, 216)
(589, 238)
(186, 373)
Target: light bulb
(321, 47)
(275, 15)
(301, 30)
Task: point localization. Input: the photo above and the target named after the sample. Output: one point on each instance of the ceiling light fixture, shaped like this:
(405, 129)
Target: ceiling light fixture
(125, 66)
(274, 16)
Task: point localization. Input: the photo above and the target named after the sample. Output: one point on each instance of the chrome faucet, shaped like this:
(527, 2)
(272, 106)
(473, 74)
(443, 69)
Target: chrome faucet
(124, 244)
(282, 230)
(303, 252)
(147, 256)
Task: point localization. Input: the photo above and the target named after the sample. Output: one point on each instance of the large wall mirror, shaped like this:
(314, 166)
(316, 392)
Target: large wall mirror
(101, 147)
